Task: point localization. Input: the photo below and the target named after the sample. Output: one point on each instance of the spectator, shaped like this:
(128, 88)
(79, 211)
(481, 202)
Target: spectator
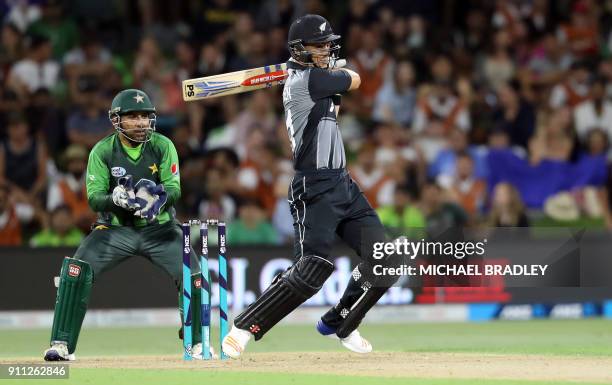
(217, 202)
(279, 13)
(212, 60)
(60, 29)
(475, 37)
(595, 113)
(438, 113)
(370, 175)
(258, 116)
(574, 89)
(49, 119)
(439, 105)
(442, 70)
(515, 115)
(251, 227)
(403, 216)
(252, 53)
(395, 101)
(88, 60)
(89, 123)
(37, 70)
(498, 67)
(23, 159)
(581, 33)
(69, 189)
(549, 62)
(555, 136)
(445, 164)
(441, 215)
(374, 67)
(12, 216)
(257, 175)
(186, 58)
(11, 48)
(154, 75)
(214, 18)
(417, 34)
(507, 209)
(597, 143)
(22, 14)
(465, 189)
(61, 231)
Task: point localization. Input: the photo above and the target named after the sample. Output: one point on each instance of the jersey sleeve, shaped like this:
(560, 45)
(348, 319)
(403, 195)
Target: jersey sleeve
(323, 83)
(97, 182)
(169, 171)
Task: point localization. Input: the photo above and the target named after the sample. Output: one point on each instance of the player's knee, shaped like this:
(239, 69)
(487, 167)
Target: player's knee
(308, 274)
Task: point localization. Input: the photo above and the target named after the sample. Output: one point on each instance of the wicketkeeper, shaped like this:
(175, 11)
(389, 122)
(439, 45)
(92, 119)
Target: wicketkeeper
(132, 183)
(325, 201)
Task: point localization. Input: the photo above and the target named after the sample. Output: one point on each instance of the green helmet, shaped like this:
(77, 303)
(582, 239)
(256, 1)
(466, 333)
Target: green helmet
(132, 100)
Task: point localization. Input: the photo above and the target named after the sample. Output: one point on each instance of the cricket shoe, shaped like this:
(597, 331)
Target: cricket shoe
(196, 352)
(353, 342)
(235, 342)
(59, 352)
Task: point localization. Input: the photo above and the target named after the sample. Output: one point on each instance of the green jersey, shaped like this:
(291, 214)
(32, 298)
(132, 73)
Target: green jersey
(109, 160)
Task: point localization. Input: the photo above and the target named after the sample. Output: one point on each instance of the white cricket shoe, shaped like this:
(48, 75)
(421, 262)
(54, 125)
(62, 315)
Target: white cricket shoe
(196, 352)
(353, 342)
(58, 352)
(356, 343)
(235, 342)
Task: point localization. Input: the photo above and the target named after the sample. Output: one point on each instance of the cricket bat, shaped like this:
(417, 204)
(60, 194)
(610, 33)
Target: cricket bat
(238, 82)
(234, 82)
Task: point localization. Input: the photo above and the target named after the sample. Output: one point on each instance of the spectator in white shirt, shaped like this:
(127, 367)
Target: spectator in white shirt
(594, 113)
(37, 70)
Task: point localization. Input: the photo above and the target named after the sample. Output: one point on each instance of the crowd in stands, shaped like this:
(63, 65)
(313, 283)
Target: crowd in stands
(470, 113)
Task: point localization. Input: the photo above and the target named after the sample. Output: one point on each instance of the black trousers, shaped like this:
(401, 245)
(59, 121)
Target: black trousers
(323, 204)
(329, 203)
(326, 203)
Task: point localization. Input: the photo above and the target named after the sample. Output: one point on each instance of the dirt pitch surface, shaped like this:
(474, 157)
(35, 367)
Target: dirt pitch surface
(389, 364)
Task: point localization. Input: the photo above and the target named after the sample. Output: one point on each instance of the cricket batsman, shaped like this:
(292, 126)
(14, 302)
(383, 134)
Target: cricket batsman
(132, 183)
(324, 200)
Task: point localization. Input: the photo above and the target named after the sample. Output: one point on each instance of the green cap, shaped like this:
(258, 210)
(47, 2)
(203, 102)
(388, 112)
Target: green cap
(131, 100)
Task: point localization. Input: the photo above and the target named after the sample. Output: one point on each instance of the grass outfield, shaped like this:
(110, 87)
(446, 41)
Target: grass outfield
(466, 345)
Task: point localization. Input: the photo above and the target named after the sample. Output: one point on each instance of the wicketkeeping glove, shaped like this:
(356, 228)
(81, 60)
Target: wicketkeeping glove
(151, 198)
(123, 194)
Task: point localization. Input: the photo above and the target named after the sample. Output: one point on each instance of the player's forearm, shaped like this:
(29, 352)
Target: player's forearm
(101, 202)
(173, 195)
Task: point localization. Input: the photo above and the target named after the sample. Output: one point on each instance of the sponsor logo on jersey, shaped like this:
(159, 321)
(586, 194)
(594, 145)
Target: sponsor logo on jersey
(197, 283)
(174, 169)
(74, 270)
(118, 171)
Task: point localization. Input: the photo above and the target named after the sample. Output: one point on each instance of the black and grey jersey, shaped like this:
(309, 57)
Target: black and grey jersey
(311, 116)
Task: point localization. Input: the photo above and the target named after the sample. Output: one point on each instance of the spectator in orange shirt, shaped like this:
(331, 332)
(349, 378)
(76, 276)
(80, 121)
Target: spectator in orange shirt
(12, 215)
(373, 65)
(465, 189)
(581, 34)
(69, 190)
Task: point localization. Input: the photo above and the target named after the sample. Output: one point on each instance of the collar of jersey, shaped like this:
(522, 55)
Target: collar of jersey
(131, 150)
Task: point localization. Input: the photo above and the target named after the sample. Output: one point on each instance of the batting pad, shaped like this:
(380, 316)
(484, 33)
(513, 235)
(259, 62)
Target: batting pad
(71, 302)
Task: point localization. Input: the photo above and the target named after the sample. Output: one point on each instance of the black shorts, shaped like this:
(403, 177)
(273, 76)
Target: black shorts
(326, 203)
